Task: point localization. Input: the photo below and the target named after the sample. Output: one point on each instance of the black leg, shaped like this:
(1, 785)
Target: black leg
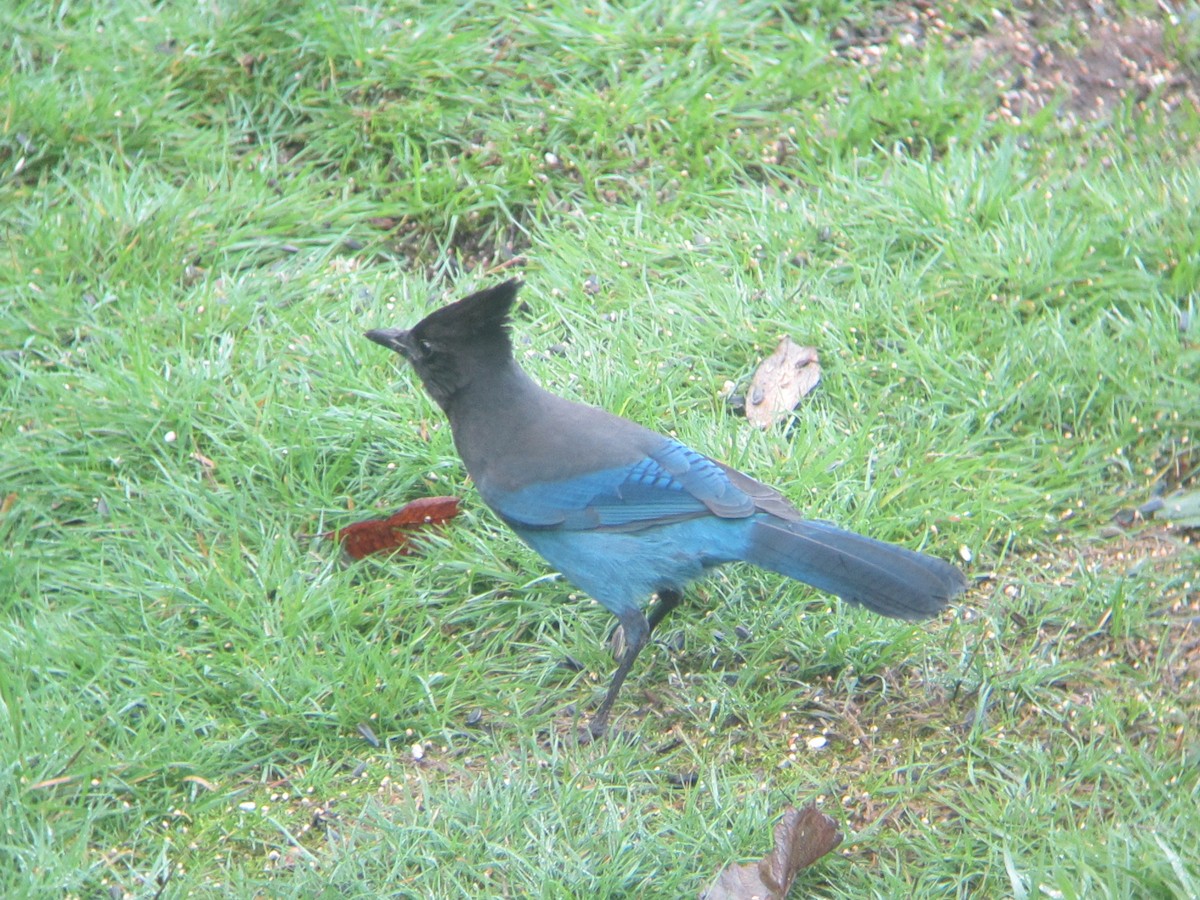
(667, 601)
(637, 633)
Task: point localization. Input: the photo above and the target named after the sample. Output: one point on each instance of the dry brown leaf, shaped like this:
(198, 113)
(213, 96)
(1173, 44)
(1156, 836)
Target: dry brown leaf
(801, 838)
(780, 381)
(396, 531)
(202, 782)
(205, 463)
(248, 61)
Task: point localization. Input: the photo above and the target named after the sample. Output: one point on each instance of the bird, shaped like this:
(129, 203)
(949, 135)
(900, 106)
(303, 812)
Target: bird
(628, 515)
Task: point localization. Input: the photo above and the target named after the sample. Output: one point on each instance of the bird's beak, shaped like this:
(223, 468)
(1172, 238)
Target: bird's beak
(392, 338)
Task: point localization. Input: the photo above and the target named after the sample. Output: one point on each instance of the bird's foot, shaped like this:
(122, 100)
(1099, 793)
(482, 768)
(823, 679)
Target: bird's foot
(587, 735)
(596, 728)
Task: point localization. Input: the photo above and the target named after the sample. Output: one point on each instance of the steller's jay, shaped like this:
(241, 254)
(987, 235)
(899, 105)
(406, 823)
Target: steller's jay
(625, 513)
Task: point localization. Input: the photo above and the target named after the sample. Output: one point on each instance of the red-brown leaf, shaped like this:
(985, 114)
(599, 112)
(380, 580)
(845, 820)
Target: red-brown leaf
(395, 533)
(801, 838)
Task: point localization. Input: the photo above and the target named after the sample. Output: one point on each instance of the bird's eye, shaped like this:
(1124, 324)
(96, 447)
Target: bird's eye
(425, 347)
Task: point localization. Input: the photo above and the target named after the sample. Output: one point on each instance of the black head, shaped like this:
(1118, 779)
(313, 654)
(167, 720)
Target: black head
(458, 342)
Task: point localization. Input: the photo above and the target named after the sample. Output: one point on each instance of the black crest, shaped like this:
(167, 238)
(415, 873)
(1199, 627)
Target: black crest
(482, 315)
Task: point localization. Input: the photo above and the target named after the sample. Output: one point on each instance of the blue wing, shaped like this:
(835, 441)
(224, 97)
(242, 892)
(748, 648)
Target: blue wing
(671, 483)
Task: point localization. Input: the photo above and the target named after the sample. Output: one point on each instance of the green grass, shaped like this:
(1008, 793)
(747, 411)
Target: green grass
(202, 208)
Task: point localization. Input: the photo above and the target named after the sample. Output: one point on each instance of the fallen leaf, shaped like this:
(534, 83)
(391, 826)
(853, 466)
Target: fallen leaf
(801, 838)
(205, 463)
(394, 533)
(780, 381)
(7, 503)
(202, 782)
(248, 61)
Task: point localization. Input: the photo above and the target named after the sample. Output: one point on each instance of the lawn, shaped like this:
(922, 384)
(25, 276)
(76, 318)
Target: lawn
(987, 223)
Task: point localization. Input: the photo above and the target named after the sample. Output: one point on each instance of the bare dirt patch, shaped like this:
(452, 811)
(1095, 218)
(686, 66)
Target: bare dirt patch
(1094, 62)
(1072, 53)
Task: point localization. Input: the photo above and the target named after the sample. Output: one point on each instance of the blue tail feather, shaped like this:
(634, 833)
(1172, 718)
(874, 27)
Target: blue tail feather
(887, 579)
